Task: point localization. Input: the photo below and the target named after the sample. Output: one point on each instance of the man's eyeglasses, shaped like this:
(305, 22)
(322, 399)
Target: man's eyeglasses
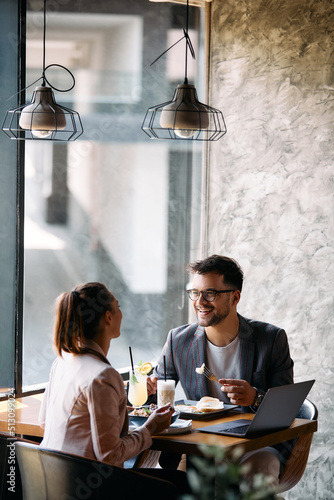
(208, 295)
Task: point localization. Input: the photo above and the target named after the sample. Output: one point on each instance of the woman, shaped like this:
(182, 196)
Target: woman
(84, 410)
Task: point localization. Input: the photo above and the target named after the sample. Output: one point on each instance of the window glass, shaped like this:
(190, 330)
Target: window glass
(8, 195)
(113, 206)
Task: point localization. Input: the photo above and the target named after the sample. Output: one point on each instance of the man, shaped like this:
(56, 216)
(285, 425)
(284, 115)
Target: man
(248, 357)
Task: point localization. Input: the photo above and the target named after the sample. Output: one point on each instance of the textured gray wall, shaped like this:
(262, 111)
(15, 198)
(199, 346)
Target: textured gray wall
(271, 180)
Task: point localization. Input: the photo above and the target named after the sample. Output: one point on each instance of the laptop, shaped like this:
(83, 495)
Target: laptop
(278, 409)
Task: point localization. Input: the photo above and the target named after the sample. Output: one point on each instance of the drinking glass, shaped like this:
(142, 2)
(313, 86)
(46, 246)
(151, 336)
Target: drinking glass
(166, 392)
(137, 394)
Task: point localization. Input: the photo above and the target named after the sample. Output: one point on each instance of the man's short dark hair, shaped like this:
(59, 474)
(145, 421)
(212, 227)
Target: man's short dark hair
(220, 264)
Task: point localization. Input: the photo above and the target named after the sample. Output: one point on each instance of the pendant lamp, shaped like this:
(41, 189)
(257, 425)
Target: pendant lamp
(43, 118)
(184, 117)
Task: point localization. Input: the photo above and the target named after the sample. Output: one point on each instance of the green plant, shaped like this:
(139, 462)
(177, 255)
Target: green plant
(216, 477)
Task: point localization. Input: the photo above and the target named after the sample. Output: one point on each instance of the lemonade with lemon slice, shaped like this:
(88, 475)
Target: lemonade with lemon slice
(137, 384)
(145, 368)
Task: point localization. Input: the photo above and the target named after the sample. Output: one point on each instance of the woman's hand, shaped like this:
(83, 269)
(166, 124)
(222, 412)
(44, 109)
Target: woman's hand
(240, 392)
(160, 419)
(151, 383)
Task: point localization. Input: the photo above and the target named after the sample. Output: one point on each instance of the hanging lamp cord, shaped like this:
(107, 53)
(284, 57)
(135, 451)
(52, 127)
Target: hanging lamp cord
(189, 46)
(43, 76)
(186, 55)
(44, 31)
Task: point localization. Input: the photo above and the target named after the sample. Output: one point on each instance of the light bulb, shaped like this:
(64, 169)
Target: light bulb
(184, 134)
(43, 115)
(185, 115)
(41, 134)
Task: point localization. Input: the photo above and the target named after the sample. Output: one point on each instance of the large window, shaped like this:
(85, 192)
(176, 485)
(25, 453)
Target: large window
(11, 30)
(113, 206)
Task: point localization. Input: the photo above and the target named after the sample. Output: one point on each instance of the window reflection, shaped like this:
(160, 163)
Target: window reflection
(112, 206)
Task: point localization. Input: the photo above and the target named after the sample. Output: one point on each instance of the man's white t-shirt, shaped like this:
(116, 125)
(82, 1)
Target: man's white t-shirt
(224, 362)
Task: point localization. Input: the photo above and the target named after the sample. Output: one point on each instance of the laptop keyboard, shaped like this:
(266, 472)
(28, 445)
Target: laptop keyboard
(238, 430)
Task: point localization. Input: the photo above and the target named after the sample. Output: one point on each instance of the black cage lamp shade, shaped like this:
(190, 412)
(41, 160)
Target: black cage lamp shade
(184, 117)
(43, 118)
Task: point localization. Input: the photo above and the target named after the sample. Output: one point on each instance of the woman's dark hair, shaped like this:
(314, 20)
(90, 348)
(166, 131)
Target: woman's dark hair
(78, 316)
(219, 264)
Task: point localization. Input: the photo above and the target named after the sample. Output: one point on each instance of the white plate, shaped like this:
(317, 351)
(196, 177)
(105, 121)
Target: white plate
(179, 427)
(200, 415)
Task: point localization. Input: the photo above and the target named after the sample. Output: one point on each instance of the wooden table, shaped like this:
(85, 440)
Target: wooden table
(26, 416)
(188, 443)
(26, 423)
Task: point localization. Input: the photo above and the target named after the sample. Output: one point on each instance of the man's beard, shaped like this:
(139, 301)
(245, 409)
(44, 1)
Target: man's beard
(214, 320)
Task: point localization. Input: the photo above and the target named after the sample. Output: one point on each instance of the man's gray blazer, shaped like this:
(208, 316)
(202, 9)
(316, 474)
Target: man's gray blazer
(264, 357)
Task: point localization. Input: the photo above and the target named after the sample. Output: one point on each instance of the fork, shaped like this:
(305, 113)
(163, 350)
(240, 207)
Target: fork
(208, 374)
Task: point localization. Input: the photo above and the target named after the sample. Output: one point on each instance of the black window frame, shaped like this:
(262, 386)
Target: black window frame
(16, 41)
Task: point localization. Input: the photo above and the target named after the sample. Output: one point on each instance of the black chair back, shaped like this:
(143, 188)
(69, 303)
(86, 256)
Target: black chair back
(308, 411)
(10, 480)
(297, 461)
(53, 475)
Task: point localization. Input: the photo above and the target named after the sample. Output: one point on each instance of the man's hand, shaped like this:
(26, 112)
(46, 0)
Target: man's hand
(240, 392)
(151, 383)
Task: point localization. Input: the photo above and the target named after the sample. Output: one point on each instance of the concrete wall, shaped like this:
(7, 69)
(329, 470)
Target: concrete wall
(270, 184)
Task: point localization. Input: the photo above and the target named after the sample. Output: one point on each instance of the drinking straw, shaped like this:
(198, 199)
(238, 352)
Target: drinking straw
(132, 366)
(165, 367)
